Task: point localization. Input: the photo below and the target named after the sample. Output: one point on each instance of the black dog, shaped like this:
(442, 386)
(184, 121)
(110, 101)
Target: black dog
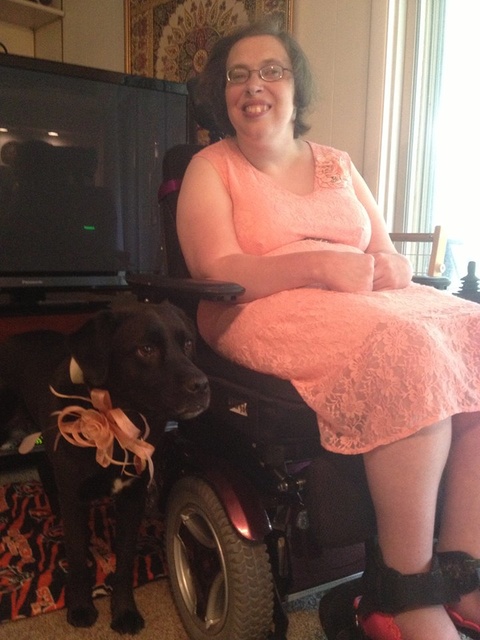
(143, 358)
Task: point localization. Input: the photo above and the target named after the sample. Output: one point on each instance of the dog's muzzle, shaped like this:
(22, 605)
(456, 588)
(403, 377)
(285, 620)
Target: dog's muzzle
(196, 397)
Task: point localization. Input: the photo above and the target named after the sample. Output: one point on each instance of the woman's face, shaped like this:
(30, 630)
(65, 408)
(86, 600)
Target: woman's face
(258, 107)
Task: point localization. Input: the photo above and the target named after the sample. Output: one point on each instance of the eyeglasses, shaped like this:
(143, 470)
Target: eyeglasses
(269, 73)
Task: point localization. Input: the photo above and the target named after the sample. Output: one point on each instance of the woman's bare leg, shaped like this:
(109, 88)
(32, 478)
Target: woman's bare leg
(460, 526)
(404, 479)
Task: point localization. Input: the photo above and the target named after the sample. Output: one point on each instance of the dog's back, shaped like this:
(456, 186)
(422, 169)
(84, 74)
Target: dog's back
(26, 364)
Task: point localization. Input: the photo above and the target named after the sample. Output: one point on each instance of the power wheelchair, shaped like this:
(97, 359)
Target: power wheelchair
(255, 508)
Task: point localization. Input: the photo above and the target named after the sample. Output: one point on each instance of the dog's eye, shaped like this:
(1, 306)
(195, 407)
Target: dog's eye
(188, 347)
(146, 350)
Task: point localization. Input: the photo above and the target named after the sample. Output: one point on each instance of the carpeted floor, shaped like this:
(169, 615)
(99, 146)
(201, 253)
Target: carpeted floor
(162, 622)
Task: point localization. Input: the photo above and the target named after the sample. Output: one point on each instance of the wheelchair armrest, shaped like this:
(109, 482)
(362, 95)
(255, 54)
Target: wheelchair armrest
(438, 282)
(153, 287)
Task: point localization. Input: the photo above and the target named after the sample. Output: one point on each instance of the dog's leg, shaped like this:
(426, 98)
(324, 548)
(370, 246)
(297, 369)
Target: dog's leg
(130, 507)
(81, 611)
(69, 465)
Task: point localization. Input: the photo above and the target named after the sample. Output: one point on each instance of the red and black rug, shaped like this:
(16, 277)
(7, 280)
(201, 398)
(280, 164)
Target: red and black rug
(32, 555)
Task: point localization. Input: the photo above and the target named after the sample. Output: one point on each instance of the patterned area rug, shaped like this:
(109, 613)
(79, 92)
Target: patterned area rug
(32, 554)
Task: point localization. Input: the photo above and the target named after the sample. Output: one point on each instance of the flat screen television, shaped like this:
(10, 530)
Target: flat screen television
(81, 154)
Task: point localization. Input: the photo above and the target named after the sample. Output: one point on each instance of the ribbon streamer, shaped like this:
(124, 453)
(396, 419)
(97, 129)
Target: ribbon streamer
(100, 427)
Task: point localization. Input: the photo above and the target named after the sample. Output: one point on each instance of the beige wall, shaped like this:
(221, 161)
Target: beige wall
(345, 43)
(18, 40)
(94, 33)
(335, 36)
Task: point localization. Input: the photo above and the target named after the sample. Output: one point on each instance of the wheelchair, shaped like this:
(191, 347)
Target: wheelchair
(255, 509)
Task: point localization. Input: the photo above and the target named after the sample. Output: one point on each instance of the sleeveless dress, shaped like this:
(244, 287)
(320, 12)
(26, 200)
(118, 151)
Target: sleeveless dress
(376, 366)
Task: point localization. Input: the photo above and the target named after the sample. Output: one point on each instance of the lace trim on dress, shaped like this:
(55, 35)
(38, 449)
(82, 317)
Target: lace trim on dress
(332, 170)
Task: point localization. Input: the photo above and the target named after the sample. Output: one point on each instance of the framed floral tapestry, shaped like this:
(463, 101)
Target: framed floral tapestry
(171, 39)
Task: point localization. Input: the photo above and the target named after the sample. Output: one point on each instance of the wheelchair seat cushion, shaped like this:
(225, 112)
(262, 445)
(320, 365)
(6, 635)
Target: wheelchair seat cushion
(214, 365)
(265, 409)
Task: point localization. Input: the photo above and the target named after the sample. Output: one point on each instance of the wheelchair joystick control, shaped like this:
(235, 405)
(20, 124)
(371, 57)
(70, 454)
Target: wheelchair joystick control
(470, 289)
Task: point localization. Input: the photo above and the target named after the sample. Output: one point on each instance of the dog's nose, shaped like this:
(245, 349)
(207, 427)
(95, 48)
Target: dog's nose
(197, 385)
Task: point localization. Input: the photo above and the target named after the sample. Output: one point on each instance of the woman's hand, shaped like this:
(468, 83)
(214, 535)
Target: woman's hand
(391, 271)
(348, 272)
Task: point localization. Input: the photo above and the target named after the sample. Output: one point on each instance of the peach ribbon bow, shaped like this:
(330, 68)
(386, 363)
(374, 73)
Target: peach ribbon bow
(100, 427)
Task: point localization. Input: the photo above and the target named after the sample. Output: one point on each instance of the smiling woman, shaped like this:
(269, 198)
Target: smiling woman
(329, 306)
(283, 52)
(252, 98)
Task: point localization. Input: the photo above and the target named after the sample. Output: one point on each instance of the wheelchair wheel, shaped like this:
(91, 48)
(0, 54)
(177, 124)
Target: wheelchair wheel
(222, 584)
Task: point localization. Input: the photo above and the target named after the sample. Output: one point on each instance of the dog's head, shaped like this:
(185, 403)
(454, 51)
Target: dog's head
(144, 357)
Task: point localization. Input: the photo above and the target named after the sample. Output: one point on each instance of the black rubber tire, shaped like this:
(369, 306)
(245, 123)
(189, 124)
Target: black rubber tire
(222, 584)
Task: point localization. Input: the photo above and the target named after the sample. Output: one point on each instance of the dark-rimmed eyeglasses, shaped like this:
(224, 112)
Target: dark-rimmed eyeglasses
(269, 73)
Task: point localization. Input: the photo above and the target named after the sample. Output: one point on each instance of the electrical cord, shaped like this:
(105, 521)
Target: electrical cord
(2, 46)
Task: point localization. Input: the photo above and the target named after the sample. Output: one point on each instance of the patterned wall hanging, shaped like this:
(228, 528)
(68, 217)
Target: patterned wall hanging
(171, 39)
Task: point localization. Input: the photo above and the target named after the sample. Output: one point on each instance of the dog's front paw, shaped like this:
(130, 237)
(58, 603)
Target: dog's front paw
(128, 622)
(85, 616)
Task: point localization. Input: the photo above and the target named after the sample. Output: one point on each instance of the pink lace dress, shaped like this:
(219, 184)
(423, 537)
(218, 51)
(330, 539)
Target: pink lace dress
(375, 367)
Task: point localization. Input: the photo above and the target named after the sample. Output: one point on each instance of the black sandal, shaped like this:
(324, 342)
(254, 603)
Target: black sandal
(387, 592)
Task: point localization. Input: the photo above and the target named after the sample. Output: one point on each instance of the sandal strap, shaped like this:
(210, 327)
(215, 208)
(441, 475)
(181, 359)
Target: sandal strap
(390, 591)
(462, 569)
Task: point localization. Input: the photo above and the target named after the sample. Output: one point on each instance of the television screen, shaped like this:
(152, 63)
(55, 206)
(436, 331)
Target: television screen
(80, 165)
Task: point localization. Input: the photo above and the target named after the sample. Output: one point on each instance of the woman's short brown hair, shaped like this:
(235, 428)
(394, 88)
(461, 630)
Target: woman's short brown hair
(209, 90)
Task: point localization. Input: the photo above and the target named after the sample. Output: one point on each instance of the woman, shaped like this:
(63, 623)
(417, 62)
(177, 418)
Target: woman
(391, 369)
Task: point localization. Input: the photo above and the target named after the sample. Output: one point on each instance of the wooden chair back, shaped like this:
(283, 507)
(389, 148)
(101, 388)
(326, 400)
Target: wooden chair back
(426, 251)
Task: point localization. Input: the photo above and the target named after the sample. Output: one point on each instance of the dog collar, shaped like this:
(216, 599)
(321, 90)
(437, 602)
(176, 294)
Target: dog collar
(76, 374)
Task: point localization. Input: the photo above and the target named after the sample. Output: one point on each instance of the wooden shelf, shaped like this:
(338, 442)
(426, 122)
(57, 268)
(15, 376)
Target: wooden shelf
(29, 14)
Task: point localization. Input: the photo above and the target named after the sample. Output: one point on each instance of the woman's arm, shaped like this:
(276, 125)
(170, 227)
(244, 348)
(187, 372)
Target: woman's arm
(392, 270)
(209, 243)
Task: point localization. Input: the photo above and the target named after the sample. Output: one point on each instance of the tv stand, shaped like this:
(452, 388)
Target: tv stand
(60, 313)
(29, 302)
(29, 307)
(26, 297)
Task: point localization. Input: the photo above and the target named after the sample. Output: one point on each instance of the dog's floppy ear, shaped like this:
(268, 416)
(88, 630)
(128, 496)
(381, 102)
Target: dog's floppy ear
(90, 346)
